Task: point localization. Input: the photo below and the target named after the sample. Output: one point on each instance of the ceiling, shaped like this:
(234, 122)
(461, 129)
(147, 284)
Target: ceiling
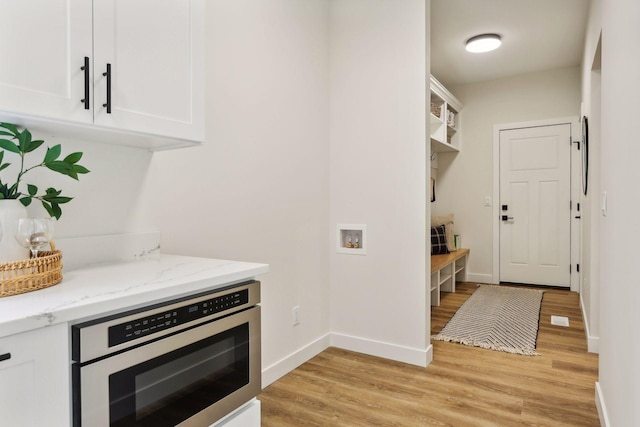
(536, 35)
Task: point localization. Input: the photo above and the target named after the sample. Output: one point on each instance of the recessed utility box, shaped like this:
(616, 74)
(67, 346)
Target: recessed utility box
(352, 239)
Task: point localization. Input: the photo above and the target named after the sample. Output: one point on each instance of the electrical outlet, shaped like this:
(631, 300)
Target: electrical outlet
(295, 315)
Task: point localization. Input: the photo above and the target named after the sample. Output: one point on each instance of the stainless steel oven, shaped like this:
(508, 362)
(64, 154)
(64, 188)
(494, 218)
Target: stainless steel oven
(186, 362)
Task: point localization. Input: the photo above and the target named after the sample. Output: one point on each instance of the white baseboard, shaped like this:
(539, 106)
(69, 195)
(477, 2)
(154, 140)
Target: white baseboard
(346, 342)
(413, 356)
(601, 407)
(295, 359)
(480, 278)
(429, 353)
(593, 342)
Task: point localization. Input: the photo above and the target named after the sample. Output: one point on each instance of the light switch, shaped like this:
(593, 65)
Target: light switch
(487, 201)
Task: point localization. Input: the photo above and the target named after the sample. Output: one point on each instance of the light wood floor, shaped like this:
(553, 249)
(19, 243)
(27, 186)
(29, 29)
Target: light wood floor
(463, 386)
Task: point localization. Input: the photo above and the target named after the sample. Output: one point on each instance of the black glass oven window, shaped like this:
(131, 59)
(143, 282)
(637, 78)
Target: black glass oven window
(171, 388)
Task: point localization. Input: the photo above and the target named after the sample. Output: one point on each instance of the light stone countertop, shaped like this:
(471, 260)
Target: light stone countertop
(103, 289)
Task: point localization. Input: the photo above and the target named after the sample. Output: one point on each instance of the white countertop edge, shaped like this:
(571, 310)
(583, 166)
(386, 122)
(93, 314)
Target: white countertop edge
(104, 289)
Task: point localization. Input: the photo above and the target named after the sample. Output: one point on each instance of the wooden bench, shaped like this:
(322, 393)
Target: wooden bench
(446, 269)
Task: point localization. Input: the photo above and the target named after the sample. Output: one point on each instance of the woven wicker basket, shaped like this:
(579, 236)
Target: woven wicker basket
(32, 274)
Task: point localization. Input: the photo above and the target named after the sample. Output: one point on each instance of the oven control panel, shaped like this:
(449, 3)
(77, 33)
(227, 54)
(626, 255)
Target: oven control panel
(147, 325)
(99, 337)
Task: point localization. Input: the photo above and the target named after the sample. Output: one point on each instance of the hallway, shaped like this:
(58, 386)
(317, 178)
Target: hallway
(463, 386)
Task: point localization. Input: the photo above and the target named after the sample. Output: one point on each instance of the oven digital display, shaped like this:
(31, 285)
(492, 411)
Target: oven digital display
(147, 325)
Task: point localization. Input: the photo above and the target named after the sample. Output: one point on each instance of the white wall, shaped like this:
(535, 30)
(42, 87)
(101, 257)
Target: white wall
(466, 178)
(620, 228)
(106, 200)
(378, 173)
(591, 104)
(258, 190)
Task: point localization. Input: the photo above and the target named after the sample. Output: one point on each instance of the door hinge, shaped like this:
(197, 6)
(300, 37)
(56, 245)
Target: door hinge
(570, 269)
(578, 206)
(570, 204)
(578, 268)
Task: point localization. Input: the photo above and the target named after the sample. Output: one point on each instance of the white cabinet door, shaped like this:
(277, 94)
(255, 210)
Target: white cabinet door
(34, 378)
(43, 45)
(155, 51)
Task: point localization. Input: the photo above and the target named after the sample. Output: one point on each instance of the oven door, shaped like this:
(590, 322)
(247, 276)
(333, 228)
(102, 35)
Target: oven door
(192, 378)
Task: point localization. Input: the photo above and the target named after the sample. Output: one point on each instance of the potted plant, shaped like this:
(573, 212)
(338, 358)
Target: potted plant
(21, 143)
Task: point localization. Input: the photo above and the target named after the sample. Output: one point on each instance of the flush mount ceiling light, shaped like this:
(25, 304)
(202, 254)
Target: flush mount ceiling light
(483, 43)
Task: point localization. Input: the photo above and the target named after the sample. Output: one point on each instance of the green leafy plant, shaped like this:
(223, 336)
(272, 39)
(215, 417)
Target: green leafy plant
(20, 142)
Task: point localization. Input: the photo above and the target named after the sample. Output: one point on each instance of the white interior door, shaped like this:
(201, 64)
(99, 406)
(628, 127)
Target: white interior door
(535, 234)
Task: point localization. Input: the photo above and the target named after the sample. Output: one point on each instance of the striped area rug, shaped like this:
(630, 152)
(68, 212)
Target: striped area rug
(498, 318)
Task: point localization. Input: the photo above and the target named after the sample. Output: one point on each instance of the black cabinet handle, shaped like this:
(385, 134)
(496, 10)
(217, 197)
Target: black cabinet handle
(85, 68)
(108, 75)
(5, 356)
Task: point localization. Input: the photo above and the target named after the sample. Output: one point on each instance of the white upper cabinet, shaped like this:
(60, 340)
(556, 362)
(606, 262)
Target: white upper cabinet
(43, 45)
(156, 76)
(122, 71)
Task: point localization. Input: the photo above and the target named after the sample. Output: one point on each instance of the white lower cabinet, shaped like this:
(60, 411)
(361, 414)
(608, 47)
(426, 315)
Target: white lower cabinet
(35, 378)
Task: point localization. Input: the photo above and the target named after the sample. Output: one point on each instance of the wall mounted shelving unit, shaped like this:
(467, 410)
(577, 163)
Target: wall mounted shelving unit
(444, 119)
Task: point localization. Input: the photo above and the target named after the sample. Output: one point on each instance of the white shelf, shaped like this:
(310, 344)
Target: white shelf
(435, 120)
(444, 137)
(442, 147)
(444, 278)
